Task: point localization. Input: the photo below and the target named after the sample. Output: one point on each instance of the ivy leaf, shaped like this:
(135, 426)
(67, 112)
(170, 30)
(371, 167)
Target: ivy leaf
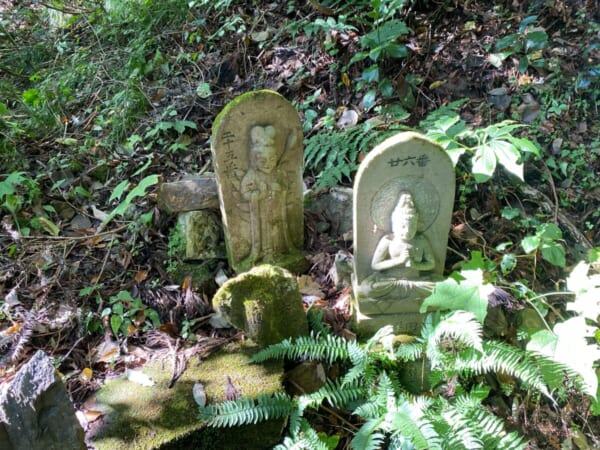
(554, 253)
(531, 243)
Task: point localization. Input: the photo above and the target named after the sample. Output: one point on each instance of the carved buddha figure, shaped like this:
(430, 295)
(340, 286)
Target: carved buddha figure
(401, 256)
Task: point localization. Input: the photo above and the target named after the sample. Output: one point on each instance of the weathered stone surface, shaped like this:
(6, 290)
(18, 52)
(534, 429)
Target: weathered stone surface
(257, 152)
(158, 417)
(403, 198)
(35, 410)
(264, 302)
(335, 206)
(191, 194)
(203, 235)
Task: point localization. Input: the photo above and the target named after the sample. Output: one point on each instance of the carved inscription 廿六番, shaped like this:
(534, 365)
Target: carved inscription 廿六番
(420, 161)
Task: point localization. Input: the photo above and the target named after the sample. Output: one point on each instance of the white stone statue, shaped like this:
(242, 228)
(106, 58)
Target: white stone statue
(401, 256)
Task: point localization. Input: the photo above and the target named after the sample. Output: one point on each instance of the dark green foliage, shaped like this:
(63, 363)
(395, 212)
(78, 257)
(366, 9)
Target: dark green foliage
(456, 354)
(334, 154)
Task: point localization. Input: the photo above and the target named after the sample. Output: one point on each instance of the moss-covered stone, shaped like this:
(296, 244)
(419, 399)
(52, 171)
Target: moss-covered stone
(264, 302)
(156, 417)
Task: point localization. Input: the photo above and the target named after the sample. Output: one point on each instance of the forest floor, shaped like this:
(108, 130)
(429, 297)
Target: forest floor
(57, 279)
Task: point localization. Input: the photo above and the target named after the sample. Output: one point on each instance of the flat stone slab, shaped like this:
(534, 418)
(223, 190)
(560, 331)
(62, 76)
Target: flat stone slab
(156, 417)
(190, 194)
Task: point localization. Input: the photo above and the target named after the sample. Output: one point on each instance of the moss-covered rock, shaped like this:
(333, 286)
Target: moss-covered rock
(156, 417)
(264, 302)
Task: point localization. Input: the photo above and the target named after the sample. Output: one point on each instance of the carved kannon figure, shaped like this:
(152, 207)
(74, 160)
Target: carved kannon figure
(265, 186)
(401, 257)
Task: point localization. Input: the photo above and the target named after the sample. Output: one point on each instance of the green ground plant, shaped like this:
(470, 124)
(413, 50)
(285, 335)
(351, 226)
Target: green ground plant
(371, 388)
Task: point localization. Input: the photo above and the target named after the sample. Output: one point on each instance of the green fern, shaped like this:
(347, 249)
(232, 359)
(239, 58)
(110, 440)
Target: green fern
(247, 410)
(321, 348)
(334, 155)
(391, 416)
(306, 438)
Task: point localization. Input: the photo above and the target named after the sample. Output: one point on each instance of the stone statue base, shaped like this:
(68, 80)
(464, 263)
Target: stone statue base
(403, 323)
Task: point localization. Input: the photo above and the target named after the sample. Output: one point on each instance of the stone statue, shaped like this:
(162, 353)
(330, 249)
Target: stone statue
(402, 206)
(257, 151)
(264, 186)
(401, 256)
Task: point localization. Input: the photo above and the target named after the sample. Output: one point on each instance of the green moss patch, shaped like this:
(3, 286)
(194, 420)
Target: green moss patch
(156, 417)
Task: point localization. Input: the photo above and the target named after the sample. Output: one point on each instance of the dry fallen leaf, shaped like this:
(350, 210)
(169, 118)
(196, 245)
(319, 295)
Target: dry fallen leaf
(86, 375)
(138, 377)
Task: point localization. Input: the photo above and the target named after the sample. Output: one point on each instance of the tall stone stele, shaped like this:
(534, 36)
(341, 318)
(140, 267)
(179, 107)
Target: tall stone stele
(257, 152)
(403, 199)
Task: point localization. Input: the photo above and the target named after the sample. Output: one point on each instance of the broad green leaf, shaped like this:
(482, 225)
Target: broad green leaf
(7, 187)
(536, 40)
(508, 156)
(138, 191)
(523, 64)
(181, 125)
(31, 97)
(554, 253)
(455, 154)
(484, 163)
(119, 190)
(531, 243)
(525, 145)
(527, 21)
(396, 51)
(371, 73)
(506, 42)
(203, 90)
(386, 87)
(385, 34)
(115, 324)
(509, 213)
(496, 59)
(508, 263)
(369, 99)
(549, 231)
(3, 109)
(449, 295)
(571, 348)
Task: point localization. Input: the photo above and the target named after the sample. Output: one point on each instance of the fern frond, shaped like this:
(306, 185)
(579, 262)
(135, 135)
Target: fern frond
(367, 437)
(333, 155)
(418, 430)
(337, 394)
(247, 410)
(411, 351)
(503, 358)
(321, 348)
(305, 439)
(492, 433)
(380, 401)
(315, 322)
